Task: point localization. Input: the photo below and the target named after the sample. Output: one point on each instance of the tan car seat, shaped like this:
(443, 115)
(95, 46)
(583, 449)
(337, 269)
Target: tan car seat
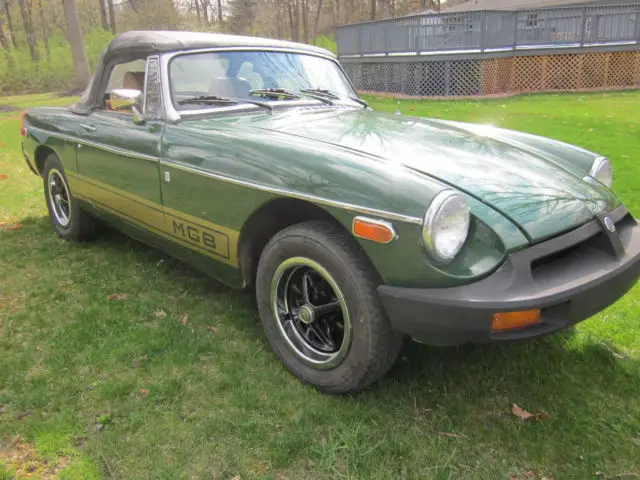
(133, 81)
(233, 87)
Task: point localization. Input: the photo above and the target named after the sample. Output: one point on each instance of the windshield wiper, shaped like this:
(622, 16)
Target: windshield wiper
(282, 93)
(358, 100)
(274, 93)
(213, 99)
(333, 95)
(207, 99)
(320, 91)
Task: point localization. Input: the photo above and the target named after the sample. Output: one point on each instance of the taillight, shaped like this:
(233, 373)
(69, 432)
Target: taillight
(23, 129)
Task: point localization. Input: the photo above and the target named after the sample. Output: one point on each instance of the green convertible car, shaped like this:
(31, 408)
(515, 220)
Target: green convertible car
(255, 161)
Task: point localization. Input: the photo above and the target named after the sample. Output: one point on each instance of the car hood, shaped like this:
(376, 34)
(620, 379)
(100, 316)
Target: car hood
(530, 188)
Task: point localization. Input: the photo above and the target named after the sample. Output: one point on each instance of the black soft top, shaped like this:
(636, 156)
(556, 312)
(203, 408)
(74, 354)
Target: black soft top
(166, 41)
(135, 44)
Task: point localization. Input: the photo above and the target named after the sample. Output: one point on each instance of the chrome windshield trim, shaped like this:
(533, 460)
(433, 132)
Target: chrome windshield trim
(249, 107)
(100, 146)
(299, 195)
(173, 115)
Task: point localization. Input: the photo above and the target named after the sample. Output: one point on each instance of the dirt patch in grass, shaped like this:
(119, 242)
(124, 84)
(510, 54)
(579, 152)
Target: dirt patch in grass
(22, 458)
(7, 108)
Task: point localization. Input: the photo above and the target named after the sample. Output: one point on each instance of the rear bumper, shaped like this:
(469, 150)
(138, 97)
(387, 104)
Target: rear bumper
(26, 159)
(570, 278)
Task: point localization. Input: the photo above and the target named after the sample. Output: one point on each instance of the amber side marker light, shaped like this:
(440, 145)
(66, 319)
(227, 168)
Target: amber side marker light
(374, 230)
(512, 320)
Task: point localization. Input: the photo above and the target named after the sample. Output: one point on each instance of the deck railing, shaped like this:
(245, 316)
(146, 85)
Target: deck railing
(493, 30)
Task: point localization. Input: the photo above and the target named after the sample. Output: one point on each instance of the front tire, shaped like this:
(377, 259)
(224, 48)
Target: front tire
(68, 219)
(318, 304)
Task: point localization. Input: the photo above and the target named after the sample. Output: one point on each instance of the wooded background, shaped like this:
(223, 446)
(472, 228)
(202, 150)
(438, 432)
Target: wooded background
(54, 44)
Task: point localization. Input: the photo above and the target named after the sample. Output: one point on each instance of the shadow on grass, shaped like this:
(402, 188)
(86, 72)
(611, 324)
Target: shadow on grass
(566, 367)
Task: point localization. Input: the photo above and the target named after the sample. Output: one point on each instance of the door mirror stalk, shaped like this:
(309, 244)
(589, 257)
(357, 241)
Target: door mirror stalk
(138, 117)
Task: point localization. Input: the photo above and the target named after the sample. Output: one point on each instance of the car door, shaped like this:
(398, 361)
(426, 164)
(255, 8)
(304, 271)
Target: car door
(118, 154)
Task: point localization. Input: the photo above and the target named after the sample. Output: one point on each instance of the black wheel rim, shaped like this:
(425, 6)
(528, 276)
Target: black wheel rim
(311, 313)
(59, 197)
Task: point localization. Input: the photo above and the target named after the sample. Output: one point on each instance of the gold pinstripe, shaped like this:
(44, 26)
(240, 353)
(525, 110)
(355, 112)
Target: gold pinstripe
(194, 233)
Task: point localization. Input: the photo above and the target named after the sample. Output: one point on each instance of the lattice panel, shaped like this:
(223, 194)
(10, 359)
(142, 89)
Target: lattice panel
(497, 76)
(424, 79)
(464, 78)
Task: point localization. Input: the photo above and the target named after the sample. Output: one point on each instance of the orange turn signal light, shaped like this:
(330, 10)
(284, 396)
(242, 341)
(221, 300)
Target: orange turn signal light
(374, 230)
(513, 320)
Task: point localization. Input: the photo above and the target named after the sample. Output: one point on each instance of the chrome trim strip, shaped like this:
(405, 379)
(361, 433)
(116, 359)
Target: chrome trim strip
(376, 222)
(100, 146)
(299, 195)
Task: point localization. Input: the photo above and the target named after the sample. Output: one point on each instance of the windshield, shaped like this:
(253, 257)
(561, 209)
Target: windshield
(242, 75)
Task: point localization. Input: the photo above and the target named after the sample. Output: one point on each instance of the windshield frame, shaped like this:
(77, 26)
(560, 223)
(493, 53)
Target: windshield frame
(173, 114)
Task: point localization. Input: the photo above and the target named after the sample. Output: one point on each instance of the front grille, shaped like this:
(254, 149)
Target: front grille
(556, 259)
(592, 250)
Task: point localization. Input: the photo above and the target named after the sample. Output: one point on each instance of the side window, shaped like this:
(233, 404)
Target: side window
(153, 95)
(129, 75)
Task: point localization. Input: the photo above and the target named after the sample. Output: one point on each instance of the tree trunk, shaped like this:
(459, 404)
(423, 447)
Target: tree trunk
(205, 11)
(314, 31)
(103, 14)
(12, 32)
(373, 9)
(4, 43)
(293, 14)
(220, 12)
(112, 16)
(304, 10)
(197, 5)
(74, 35)
(45, 30)
(28, 28)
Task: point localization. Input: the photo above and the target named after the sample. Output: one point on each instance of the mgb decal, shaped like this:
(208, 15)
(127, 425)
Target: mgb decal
(203, 237)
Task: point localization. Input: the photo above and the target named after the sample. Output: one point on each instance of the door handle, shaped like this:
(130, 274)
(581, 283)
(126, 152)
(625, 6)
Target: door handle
(88, 128)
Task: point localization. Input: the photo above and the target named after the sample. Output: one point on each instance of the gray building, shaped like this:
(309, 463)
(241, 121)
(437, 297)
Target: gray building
(472, 5)
(471, 50)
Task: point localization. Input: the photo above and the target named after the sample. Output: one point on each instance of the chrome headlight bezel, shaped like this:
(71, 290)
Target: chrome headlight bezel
(433, 220)
(602, 171)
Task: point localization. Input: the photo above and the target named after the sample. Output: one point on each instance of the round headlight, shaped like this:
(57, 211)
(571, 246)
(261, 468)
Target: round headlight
(602, 171)
(446, 226)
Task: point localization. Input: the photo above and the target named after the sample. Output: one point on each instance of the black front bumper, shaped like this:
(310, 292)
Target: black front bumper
(570, 278)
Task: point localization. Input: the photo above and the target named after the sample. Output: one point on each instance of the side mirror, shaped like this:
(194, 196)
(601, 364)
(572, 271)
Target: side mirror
(124, 99)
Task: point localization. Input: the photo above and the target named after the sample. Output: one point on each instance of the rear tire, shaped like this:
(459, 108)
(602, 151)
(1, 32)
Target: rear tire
(68, 219)
(317, 298)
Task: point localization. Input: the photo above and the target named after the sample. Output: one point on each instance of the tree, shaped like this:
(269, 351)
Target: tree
(4, 43)
(74, 35)
(112, 16)
(7, 11)
(103, 14)
(45, 30)
(220, 12)
(373, 9)
(314, 31)
(28, 29)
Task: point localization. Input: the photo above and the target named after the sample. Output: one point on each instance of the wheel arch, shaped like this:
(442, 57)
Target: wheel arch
(269, 219)
(40, 155)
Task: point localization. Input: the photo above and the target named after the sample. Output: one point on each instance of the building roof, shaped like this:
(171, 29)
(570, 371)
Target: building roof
(165, 41)
(522, 4)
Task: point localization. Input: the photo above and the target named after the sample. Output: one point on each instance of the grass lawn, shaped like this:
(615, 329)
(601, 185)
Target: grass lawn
(98, 388)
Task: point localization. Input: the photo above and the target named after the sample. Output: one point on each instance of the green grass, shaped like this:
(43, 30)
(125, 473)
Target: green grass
(120, 393)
